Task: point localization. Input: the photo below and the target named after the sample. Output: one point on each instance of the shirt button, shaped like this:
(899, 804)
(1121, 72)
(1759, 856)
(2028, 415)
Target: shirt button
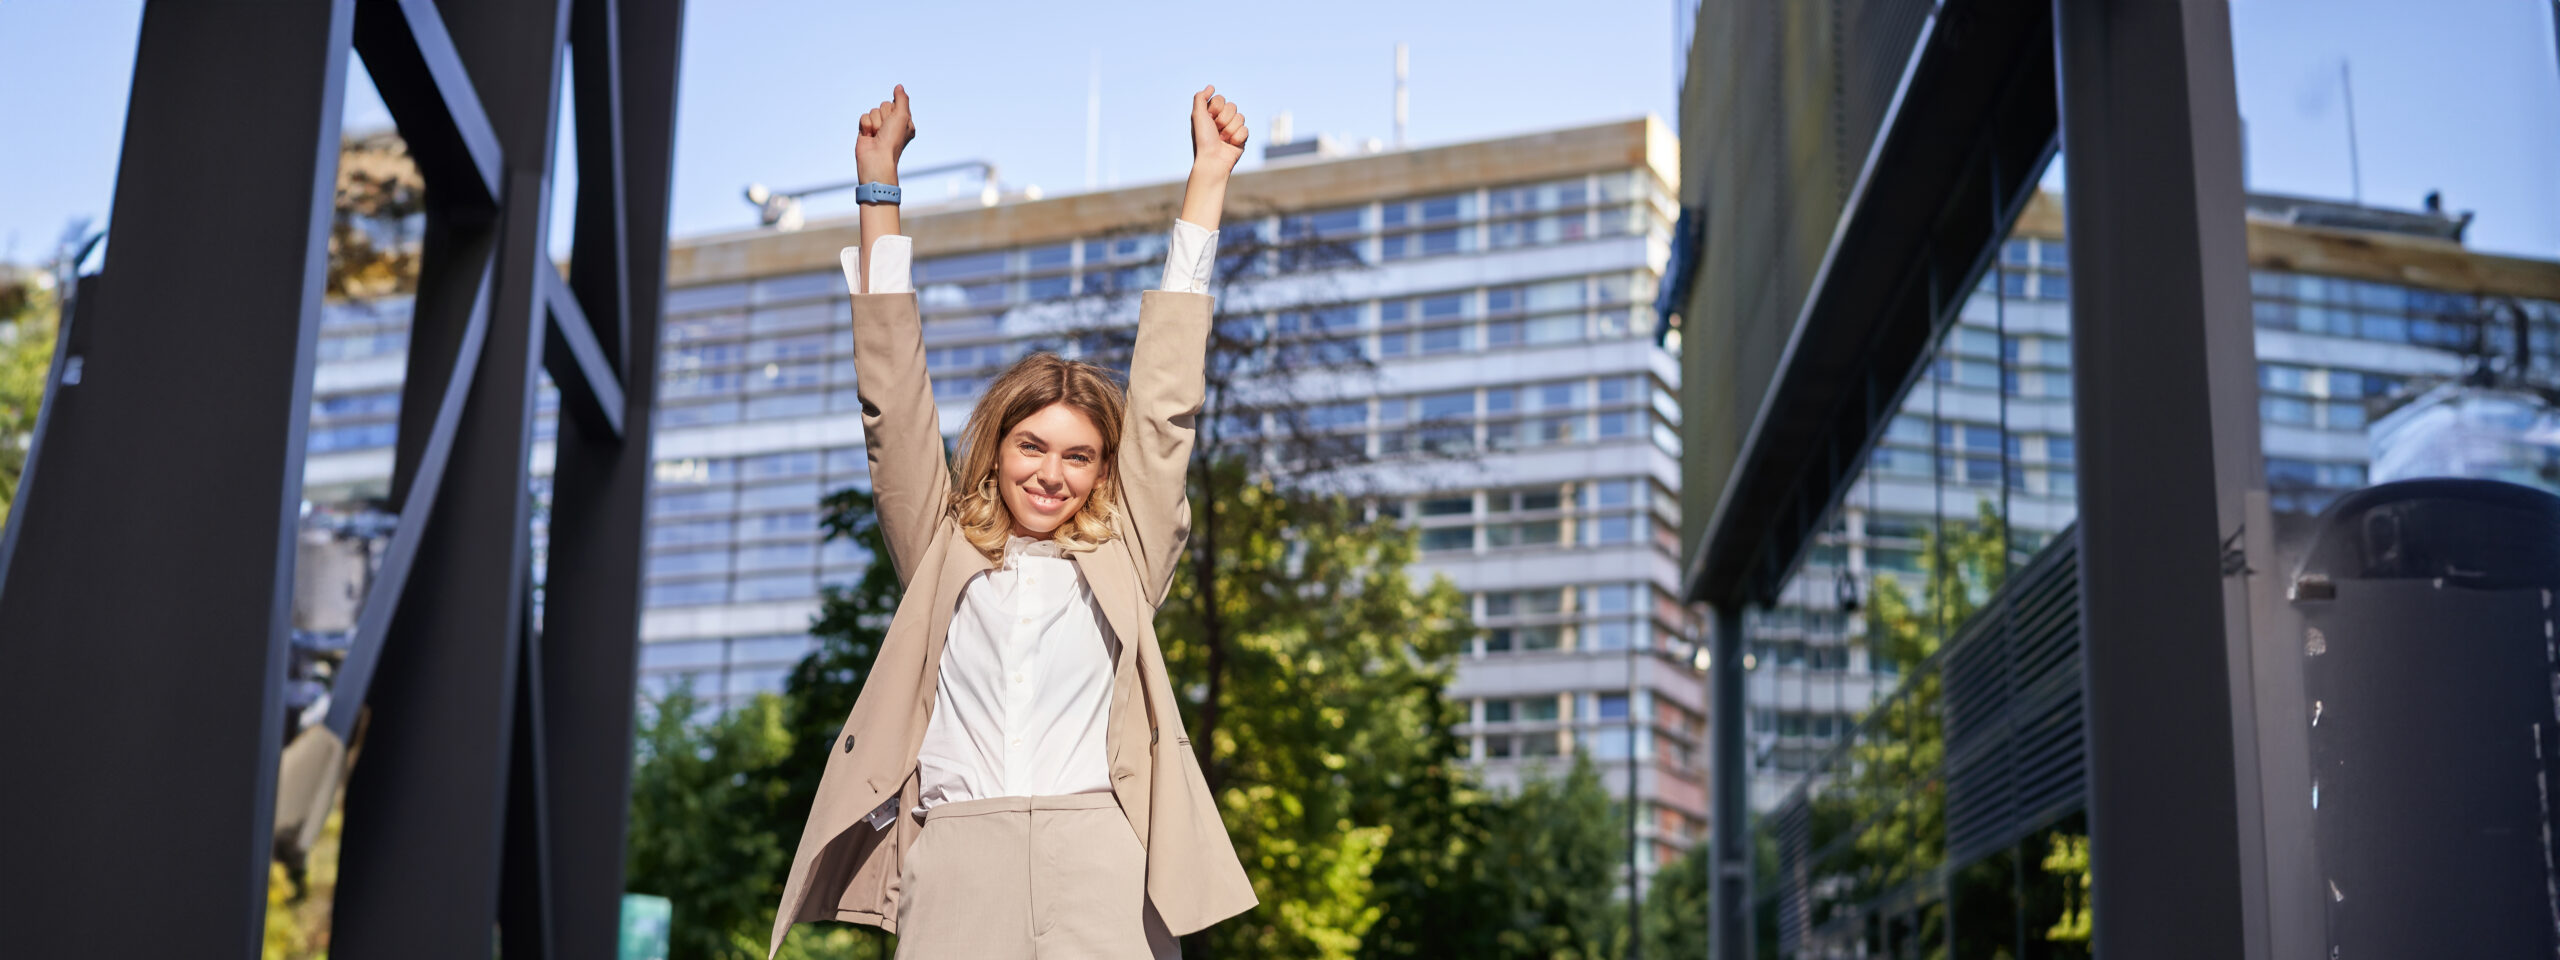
(1026, 619)
(1017, 741)
(1017, 678)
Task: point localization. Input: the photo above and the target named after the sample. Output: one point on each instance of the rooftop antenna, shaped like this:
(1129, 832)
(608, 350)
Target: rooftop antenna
(1093, 124)
(2355, 166)
(1403, 61)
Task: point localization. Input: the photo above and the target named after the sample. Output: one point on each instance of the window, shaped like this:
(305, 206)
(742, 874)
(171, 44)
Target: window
(798, 463)
(1615, 529)
(777, 556)
(1537, 710)
(964, 267)
(1444, 340)
(694, 593)
(1458, 405)
(1449, 538)
(1612, 706)
(780, 496)
(690, 563)
(2285, 410)
(1541, 601)
(1448, 506)
(1613, 493)
(1609, 598)
(789, 586)
(1497, 711)
(697, 501)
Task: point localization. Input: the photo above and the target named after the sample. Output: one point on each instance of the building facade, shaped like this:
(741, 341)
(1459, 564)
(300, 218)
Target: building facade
(1515, 407)
(2358, 312)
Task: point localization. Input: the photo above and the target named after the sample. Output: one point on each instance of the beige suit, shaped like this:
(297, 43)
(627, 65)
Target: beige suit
(846, 870)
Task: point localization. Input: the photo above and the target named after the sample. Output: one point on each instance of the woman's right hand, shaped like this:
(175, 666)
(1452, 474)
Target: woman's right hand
(886, 130)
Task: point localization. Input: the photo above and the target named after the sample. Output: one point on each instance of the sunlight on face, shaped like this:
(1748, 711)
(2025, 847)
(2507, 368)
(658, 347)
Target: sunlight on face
(1050, 463)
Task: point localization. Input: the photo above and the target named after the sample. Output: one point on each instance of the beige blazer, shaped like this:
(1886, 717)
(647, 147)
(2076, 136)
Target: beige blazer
(846, 870)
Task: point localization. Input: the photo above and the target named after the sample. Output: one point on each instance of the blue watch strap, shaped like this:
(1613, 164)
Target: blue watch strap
(875, 192)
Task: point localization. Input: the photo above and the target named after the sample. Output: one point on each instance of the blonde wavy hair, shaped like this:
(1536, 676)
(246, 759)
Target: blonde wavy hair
(1029, 386)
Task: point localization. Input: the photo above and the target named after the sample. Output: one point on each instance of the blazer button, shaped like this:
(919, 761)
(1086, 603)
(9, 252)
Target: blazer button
(848, 743)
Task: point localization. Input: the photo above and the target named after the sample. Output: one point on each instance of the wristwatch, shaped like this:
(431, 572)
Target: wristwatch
(876, 192)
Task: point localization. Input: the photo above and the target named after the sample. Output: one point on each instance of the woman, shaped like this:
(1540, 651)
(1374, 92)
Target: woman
(1014, 780)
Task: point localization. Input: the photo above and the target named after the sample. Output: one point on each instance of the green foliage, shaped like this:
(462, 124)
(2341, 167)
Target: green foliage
(703, 789)
(1678, 906)
(27, 324)
(1557, 852)
(1329, 718)
(1890, 797)
(718, 803)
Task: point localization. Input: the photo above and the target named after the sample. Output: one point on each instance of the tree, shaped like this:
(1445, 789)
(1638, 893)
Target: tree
(372, 251)
(1679, 907)
(703, 787)
(27, 325)
(1333, 719)
(1889, 800)
(1557, 854)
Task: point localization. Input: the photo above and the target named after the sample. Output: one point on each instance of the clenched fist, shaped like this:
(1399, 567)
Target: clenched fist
(1217, 132)
(886, 130)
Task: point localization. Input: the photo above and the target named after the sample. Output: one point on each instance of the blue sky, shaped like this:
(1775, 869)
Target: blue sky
(2457, 95)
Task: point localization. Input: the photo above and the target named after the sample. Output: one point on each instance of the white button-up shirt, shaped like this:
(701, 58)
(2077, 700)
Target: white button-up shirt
(1025, 692)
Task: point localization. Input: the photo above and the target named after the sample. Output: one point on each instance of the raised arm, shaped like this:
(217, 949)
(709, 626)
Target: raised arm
(901, 430)
(1169, 367)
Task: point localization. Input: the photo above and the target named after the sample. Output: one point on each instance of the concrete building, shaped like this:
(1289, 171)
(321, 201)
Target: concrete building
(1503, 290)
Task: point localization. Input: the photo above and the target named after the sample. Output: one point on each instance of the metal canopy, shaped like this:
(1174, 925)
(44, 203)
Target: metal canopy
(147, 593)
(1957, 158)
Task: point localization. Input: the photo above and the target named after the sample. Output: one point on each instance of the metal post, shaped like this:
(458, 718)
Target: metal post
(591, 613)
(2166, 417)
(1730, 780)
(144, 619)
(428, 807)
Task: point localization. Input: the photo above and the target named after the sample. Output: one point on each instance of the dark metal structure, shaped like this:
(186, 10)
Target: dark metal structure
(2139, 94)
(146, 598)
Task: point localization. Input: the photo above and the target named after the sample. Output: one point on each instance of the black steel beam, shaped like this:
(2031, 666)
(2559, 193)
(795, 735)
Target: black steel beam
(2166, 414)
(1968, 132)
(427, 809)
(147, 607)
(592, 591)
(413, 64)
(589, 388)
(1729, 785)
(417, 507)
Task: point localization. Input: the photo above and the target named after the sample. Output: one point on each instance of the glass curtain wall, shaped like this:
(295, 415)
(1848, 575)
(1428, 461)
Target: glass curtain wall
(1971, 482)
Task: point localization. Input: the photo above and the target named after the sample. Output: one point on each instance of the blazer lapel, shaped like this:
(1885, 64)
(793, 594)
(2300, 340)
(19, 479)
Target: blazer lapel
(1108, 571)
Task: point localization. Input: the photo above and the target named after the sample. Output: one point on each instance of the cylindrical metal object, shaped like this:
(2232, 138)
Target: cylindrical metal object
(2433, 684)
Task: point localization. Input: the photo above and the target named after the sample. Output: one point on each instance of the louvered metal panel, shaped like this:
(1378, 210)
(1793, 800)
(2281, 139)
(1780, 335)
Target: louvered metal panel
(2015, 744)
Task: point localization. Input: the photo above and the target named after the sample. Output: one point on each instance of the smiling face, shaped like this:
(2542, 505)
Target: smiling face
(1050, 463)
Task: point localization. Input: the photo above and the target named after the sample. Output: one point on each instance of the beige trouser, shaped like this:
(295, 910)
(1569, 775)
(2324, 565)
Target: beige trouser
(1052, 878)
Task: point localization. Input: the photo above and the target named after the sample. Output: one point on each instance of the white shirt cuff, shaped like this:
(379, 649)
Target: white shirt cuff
(1189, 258)
(892, 257)
(887, 814)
